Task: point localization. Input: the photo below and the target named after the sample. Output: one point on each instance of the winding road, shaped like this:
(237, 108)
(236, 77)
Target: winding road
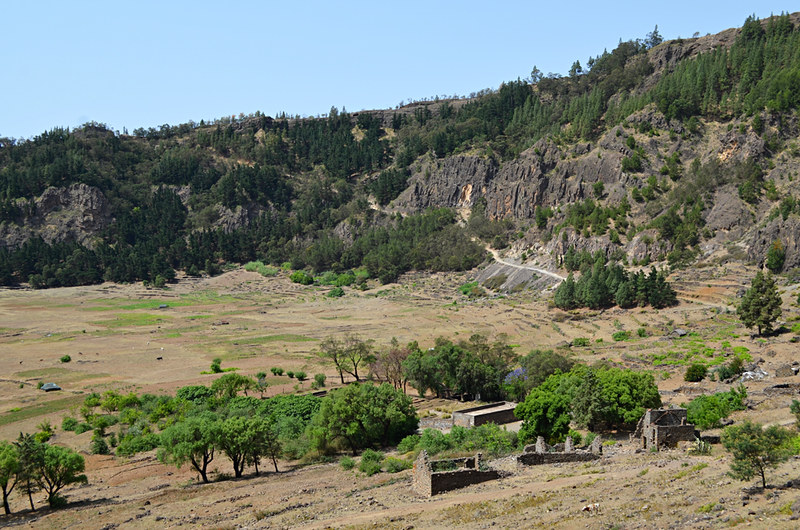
(498, 259)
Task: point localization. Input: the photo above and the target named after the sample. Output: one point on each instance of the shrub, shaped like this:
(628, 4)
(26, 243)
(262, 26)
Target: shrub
(576, 436)
(290, 374)
(276, 371)
(620, 335)
(69, 424)
(301, 376)
(99, 445)
(336, 292)
(641, 332)
(65, 358)
(344, 280)
(301, 277)
(695, 372)
(371, 462)
(82, 428)
(319, 380)
(580, 341)
(707, 411)
(589, 438)
(395, 465)
(347, 463)
(216, 366)
(410, 442)
(733, 369)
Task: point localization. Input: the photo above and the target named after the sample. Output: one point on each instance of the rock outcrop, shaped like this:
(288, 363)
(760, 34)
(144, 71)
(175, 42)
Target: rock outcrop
(75, 213)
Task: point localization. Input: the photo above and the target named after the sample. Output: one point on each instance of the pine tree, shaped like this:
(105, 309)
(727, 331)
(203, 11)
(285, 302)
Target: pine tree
(761, 304)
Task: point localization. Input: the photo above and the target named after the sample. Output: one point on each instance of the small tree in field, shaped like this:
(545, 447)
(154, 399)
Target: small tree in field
(755, 449)
(761, 305)
(9, 467)
(59, 467)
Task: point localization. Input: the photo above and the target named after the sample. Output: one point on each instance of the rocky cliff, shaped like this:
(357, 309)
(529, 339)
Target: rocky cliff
(75, 213)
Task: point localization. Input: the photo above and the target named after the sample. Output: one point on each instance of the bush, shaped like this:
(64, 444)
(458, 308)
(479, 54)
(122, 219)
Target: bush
(395, 465)
(577, 439)
(65, 358)
(216, 366)
(580, 341)
(589, 438)
(301, 277)
(410, 442)
(99, 445)
(731, 370)
(347, 463)
(641, 332)
(276, 371)
(259, 267)
(695, 372)
(371, 462)
(707, 411)
(69, 424)
(319, 380)
(82, 428)
(620, 335)
(290, 374)
(336, 292)
(301, 376)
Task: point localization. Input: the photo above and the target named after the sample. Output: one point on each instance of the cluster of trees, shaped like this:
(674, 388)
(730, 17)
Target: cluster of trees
(590, 397)
(605, 285)
(200, 423)
(33, 465)
(469, 369)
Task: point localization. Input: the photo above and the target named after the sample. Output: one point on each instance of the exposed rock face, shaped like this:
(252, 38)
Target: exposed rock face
(728, 211)
(787, 232)
(76, 213)
(454, 182)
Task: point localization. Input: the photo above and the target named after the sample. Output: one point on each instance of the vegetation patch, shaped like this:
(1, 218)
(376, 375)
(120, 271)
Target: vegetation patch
(132, 319)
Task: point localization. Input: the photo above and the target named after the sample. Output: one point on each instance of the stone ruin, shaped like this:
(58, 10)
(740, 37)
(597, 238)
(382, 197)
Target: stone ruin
(541, 453)
(431, 477)
(664, 428)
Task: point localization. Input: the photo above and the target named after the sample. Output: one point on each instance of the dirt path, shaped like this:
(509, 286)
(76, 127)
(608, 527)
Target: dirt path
(497, 258)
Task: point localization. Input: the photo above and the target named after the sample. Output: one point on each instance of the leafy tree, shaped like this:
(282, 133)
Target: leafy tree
(190, 440)
(234, 440)
(229, 385)
(361, 415)
(546, 410)
(761, 304)
(9, 468)
(59, 467)
(537, 366)
(347, 354)
(31, 456)
(755, 449)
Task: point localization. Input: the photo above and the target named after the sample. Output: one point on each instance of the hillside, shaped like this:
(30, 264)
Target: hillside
(682, 151)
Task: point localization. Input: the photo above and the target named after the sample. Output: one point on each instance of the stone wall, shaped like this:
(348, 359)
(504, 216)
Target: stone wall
(426, 481)
(540, 453)
(538, 459)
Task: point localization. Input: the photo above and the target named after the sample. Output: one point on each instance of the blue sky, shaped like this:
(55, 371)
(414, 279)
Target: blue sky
(143, 64)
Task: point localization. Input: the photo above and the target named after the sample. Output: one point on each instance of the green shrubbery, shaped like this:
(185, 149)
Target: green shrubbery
(706, 412)
(695, 372)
